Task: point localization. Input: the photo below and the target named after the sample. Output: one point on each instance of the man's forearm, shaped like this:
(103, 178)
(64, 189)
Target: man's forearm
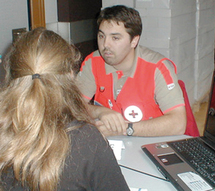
(173, 123)
(108, 120)
(95, 110)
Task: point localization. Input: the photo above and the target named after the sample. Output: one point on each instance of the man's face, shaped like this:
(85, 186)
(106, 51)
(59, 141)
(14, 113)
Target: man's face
(114, 43)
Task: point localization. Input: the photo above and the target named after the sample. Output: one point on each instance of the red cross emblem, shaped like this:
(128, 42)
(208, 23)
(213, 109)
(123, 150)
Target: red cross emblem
(133, 113)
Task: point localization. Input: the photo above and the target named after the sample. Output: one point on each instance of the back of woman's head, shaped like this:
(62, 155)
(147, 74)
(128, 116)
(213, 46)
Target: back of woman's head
(40, 64)
(41, 51)
(38, 101)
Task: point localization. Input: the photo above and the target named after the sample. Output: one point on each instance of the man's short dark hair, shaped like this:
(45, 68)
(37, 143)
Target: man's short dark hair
(120, 13)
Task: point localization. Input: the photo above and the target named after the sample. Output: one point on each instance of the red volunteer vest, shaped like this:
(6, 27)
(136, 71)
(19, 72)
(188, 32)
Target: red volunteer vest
(136, 99)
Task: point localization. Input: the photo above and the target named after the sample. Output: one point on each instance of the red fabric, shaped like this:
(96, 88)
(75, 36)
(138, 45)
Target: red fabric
(191, 128)
(212, 105)
(133, 92)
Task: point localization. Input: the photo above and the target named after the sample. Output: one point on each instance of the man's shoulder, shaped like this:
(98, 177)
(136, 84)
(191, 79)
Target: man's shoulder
(149, 55)
(93, 55)
(96, 54)
(92, 58)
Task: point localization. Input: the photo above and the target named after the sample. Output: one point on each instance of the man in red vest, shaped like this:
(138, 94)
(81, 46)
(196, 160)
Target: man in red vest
(135, 90)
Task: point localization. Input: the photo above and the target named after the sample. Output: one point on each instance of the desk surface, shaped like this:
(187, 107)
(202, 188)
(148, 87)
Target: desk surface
(134, 157)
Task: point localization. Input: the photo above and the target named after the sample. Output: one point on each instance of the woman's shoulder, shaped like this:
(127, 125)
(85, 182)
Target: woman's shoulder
(91, 163)
(87, 135)
(83, 129)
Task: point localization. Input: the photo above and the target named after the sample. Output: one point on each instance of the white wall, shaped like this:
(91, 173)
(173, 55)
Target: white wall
(62, 28)
(13, 15)
(51, 11)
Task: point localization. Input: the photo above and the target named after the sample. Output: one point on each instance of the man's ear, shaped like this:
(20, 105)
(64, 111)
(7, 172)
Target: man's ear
(135, 41)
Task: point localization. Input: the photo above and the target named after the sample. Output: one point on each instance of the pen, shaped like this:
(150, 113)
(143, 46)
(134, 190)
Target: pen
(110, 104)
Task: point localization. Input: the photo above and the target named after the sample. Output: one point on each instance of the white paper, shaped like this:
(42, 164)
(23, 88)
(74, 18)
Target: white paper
(117, 147)
(137, 189)
(194, 181)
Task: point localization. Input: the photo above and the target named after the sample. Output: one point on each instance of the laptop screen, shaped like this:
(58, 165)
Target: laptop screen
(210, 118)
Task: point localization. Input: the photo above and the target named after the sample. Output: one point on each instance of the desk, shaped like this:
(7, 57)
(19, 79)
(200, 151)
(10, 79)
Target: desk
(134, 157)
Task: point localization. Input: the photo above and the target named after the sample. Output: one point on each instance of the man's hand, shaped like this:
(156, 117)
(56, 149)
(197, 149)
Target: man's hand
(108, 121)
(112, 120)
(104, 130)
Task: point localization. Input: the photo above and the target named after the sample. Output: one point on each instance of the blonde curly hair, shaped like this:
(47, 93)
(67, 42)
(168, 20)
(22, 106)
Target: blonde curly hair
(35, 112)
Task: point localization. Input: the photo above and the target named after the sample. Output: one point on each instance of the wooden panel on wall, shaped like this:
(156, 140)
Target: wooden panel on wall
(63, 10)
(37, 13)
(73, 10)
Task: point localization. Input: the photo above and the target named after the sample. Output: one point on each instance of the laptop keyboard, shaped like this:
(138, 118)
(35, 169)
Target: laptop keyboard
(201, 158)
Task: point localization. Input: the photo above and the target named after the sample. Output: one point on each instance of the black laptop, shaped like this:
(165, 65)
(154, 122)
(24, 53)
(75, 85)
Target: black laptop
(188, 164)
